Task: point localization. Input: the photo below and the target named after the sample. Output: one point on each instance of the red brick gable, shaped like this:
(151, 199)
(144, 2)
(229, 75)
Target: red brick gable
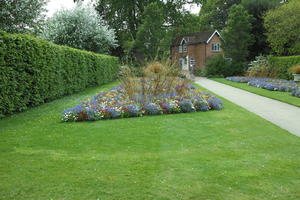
(200, 47)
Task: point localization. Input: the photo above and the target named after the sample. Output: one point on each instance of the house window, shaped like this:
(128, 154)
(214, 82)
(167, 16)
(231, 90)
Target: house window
(216, 47)
(180, 49)
(192, 62)
(183, 46)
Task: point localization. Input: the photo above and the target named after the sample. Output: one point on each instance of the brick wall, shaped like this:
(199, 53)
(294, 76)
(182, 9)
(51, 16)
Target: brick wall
(200, 52)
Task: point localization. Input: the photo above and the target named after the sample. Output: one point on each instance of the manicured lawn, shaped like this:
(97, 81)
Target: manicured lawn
(230, 154)
(285, 97)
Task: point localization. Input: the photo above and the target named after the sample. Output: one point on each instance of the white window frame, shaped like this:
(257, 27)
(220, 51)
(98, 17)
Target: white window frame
(192, 61)
(180, 49)
(182, 46)
(215, 47)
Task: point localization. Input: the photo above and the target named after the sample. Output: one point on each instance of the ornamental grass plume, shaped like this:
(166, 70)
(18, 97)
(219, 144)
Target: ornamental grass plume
(296, 69)
(157, 80)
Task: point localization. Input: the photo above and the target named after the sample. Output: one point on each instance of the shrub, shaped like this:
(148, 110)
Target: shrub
(157, 80)
(201, 105)
(283, 64)
(215, 103)
(295, 92)
(35, 71)
(296, 69)
(200, 72)
(80, 27)
(153, 109)
(132, 110)
(170, 107)
(186, 105)
(218, 66)
(260, 67)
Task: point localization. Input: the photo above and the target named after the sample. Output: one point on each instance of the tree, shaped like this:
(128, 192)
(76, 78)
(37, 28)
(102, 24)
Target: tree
(236, 36)
(126, 16)
(214, 13)
(152, 38)
(258, 8)
(189, 24)
(80, 27)
(22, 16)
(283, 28)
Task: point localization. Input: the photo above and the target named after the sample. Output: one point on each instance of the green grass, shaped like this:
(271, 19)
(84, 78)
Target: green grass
(230, 154)
(285, 97)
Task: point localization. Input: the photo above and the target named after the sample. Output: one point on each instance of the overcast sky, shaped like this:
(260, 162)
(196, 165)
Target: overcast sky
(55, 5)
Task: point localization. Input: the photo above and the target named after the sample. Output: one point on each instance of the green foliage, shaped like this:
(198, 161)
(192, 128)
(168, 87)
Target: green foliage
(260, 67)
(22, 16)
(80, 27)
(35, 71)
(283, 28)
(189, 24)
(152, 38)
(237, 35)
(218, 66)
(258, 8)
(283, 64)
(214, 13)
(126, 17)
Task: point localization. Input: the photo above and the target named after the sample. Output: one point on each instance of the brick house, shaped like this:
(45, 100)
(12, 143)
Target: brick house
(191, 51)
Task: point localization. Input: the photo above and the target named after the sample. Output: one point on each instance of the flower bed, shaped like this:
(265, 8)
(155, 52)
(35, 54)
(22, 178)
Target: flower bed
(270, 84)
(116, 104)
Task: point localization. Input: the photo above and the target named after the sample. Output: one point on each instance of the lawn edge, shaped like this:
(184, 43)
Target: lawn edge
(215, 79)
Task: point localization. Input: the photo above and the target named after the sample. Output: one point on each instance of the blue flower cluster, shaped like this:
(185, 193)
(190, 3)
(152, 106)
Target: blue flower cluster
(269, 84)
(296, 92)
(116, 104)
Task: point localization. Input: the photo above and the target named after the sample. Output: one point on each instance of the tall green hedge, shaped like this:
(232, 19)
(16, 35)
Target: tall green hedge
(34, 71)
(283, 64)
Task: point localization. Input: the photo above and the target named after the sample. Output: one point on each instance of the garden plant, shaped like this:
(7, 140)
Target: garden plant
(160, 90)
(269, 84)
(296, 72)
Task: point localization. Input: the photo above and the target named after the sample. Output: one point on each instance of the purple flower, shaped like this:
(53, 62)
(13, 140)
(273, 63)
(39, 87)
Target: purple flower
(186, 105)
(215, 103)
(152, 109)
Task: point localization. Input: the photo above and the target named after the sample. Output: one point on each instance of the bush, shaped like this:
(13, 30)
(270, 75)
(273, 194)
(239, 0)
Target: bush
(296, 69)
(34, 71)
(199, 72)
(80, 27)
(260, 67)
(283, 64)
(218, 66)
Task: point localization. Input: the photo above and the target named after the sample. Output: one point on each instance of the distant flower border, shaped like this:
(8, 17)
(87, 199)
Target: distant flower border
(269, 84)
(114, 104)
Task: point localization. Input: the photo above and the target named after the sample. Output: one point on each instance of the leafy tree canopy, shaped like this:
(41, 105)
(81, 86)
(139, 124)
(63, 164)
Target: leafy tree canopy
(189, 23)
(81, 27)
(283, 28)
(153, 39)
(127, 15)
(237, 34)
(214, 13)
(258, 8)
(21, 16)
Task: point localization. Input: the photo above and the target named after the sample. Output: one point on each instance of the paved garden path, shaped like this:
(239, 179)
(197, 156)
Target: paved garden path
(284, 115)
